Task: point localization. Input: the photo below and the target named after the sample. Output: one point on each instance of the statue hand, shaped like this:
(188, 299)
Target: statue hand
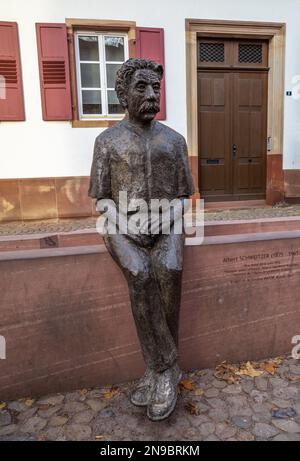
(140, 239)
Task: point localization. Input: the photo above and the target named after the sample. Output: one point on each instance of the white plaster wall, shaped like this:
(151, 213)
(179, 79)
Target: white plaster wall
(35, 148)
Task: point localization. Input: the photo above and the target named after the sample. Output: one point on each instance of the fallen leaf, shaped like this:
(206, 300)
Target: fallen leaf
(269, 367)
(231, 373)
(29, 402)
(201, 373)
(199, 392)
(227, 372)
(278, 360)
(249, 370)
(187, 384)
(111, 393)
(192, 408)
(2, 405)
(83, 391)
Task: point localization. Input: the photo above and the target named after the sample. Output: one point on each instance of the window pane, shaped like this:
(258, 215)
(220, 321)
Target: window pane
(91, 102)
(111, 70)
(114, 107)
(88, 48)
(90, 75)
(114, 48)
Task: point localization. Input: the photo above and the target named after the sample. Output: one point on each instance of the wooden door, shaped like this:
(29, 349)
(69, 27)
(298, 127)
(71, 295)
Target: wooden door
(232, 119)
(249, 134)
(214, 131)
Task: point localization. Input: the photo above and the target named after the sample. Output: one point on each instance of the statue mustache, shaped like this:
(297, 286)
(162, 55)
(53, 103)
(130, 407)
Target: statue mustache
(149, 107)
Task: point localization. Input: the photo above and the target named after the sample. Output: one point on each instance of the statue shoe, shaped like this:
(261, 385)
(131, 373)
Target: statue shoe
(164, 397)
(141, 394)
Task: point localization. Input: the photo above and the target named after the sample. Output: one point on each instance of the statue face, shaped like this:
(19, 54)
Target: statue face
(143, 95)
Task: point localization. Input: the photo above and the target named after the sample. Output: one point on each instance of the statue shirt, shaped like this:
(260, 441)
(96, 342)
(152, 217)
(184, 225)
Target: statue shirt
(147, 163)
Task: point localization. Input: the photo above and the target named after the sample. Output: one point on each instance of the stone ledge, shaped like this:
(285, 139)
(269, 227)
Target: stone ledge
(68, 323)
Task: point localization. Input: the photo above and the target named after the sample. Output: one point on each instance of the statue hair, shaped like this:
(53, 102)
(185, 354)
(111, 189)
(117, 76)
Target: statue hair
(126, 71)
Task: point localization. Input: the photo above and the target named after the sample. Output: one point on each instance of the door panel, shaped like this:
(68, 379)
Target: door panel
(214, 132)
(249, 132)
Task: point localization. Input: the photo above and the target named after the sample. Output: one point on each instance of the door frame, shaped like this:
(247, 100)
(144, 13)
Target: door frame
(275, 33)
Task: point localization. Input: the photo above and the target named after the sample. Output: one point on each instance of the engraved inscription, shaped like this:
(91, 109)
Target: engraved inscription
(262, 266)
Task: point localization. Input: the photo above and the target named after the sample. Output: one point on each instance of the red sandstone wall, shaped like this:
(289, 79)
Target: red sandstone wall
(68, 324)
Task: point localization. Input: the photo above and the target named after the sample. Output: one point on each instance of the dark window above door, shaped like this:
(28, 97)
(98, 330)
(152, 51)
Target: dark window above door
(211, 52)
(222, 53)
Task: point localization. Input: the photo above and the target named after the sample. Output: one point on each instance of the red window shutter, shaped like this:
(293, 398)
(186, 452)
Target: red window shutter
(150, 45)
(54, 71)
(11, 89)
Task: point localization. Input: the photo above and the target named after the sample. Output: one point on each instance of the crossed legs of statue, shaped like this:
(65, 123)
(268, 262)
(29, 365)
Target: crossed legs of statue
(154, 280)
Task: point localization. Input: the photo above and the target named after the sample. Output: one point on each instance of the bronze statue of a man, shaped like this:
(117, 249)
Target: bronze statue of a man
(148, 160)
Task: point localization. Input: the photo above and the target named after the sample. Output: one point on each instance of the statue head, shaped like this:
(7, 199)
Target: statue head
(138, 88)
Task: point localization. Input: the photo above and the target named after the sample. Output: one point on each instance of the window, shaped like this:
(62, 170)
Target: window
(251, 53)
(98, 58)
(212, 52)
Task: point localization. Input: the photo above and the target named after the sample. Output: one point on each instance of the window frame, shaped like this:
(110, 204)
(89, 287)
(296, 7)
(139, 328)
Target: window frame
(103, 73)
(102, 26)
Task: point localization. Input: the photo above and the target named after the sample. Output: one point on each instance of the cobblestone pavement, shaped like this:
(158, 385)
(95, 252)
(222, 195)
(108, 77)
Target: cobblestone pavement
(253, 213)
(49, 225)
(67, 225)
(252, 407)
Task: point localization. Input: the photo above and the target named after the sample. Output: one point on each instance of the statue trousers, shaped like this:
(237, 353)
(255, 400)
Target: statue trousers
(154, 276)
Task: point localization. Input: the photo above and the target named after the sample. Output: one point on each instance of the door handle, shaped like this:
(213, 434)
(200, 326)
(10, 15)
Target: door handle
(234, 150)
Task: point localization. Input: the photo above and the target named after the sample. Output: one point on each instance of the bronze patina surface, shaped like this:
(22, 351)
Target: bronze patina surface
(148, 160)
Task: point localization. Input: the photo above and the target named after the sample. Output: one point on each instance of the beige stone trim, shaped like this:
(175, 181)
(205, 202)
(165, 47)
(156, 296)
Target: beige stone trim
(275, 33)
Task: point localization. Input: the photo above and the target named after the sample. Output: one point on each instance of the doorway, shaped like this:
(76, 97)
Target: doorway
(232, 80)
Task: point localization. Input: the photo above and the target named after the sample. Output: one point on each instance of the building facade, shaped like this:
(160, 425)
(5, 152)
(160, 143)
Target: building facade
(231, 87)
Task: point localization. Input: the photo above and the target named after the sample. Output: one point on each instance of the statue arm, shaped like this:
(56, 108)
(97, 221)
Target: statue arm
(100, 183)
(185, 184)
